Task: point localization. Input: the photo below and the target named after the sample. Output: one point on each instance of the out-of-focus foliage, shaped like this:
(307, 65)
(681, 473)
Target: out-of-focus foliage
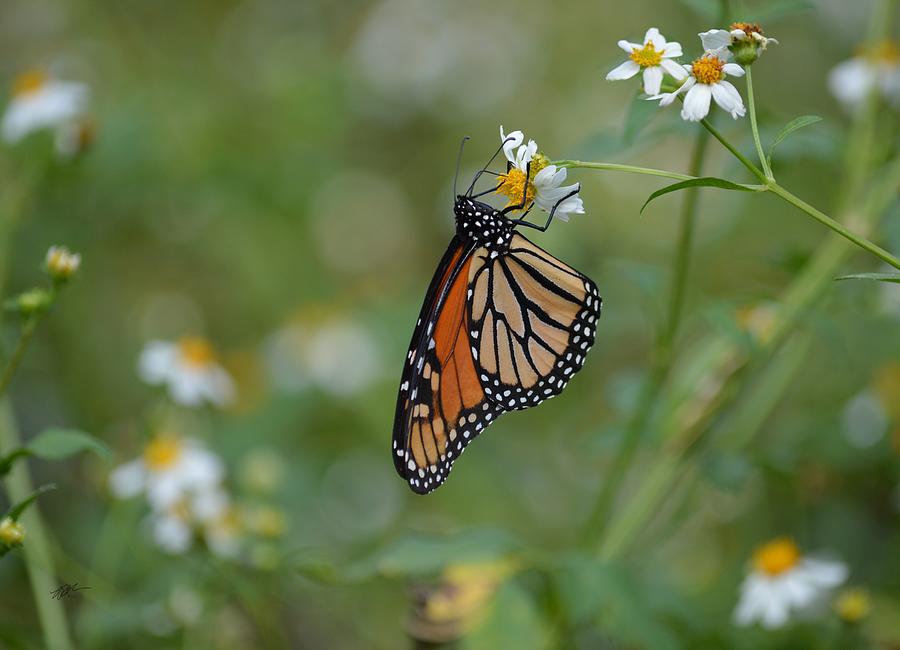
(275, 177)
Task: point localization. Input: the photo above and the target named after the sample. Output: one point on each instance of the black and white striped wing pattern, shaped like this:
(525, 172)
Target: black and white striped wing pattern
(532, 320)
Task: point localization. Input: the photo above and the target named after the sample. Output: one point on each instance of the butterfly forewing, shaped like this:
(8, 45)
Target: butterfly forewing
(442, 405)
(532, 321)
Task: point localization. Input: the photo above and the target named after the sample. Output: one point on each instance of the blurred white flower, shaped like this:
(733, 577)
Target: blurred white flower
(782, 582)
(706, 82)
(655, 57)
(865, 420)
(40, 102)
(878, 69)
(717, 39)
(172, 531)
(338, 356)
(61, 263)
(222, 534)
(545, 181)
(189, 369)
(170, 469)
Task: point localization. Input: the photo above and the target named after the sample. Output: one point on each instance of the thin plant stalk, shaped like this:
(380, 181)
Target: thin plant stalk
(653, 384)
(751, 106)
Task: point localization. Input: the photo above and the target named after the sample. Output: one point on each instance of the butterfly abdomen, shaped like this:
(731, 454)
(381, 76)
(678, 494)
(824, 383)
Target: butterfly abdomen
(482, 224)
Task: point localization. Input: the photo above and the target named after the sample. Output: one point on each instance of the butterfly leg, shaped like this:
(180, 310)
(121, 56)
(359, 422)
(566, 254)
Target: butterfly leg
(543, 228)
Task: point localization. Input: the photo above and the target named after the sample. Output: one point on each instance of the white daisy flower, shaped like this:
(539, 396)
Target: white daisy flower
(738, 33)
(545, 181)
(170, 470)
(189, 369)
(39, 102)
(783, 582)
(172, 531)
(655, 57)
(879, 69)
(706, 82)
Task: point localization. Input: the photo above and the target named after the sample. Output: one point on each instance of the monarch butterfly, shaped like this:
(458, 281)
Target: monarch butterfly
(503, 327)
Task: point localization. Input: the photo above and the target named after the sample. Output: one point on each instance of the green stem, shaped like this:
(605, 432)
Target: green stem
(827, 221)
(663, 355)
(629, 169)
(737, 154)
(751, 102)
(36, 548)
(28, 328)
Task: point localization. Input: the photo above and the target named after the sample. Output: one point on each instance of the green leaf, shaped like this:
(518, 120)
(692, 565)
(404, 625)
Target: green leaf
(881, 277)
(16, 511)
(790, 127)
(708, 181)
(56, 444)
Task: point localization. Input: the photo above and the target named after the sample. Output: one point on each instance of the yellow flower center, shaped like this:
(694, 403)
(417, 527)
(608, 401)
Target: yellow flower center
(29, 82)
(885, 52)
(748, 28)
(776, 557)
(512, 183)
(708, 69)
(162, 452)
(647, 56)
(196, 351)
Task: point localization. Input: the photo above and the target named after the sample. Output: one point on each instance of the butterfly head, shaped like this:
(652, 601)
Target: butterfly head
(482, 224)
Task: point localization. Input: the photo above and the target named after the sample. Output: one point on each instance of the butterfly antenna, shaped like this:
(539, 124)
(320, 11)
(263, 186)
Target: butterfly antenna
(484, 169)
(458, 161)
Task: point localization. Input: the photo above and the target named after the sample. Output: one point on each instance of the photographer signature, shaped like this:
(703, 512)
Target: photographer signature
(66, 590)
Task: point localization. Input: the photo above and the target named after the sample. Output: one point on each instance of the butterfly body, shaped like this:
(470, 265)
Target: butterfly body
(503, 327)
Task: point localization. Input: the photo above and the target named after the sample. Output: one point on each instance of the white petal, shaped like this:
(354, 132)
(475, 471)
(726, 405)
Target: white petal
(548, 176)
(672, 50)
(696, 103)
(188, 387)
(157, 361)
(625, 70)
(209, 505)
(728, 98)
(52, 105)
(733, 69)
(653, 77)
(715, 39)
(200, 469)
(525, 154)
(219, 388)
(738, 34)
(128, 480)
(653, 36)
(171, 534)
(851, 80)
(825, 573)
(510, 142)
(677, 71)
(164, 489)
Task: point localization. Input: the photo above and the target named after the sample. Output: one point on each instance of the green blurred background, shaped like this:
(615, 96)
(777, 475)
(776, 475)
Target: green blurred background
(267, 169)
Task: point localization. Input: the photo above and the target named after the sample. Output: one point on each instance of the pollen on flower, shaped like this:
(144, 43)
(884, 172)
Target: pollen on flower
(748, 28)
(29, 82)
(162, 452)
(776, 557)
(512, 183)
(708, 69)
(647, 56)
(196, 351)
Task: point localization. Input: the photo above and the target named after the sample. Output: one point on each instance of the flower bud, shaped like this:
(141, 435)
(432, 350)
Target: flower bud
(853, 605)
(745, 51)
(12, 533)
(33, 301)
(62, 263)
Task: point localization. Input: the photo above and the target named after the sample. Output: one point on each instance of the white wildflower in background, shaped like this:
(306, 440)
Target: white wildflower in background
(40, 102)
(170, 469)
(189, 369)
(875, 70)
(336, 355)
(706, 82)
(783, 582)
(545, 181)
(654, 57)
(865, 420)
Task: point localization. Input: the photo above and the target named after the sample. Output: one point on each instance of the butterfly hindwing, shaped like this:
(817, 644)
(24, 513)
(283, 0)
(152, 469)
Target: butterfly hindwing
(532, 321)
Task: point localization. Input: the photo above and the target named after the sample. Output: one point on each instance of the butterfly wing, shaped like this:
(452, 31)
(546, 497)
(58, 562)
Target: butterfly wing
(441, 406)
(532, 320)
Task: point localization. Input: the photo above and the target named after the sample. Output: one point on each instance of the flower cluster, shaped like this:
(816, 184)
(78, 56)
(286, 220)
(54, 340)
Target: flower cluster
(704, 80)
(183, 484)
